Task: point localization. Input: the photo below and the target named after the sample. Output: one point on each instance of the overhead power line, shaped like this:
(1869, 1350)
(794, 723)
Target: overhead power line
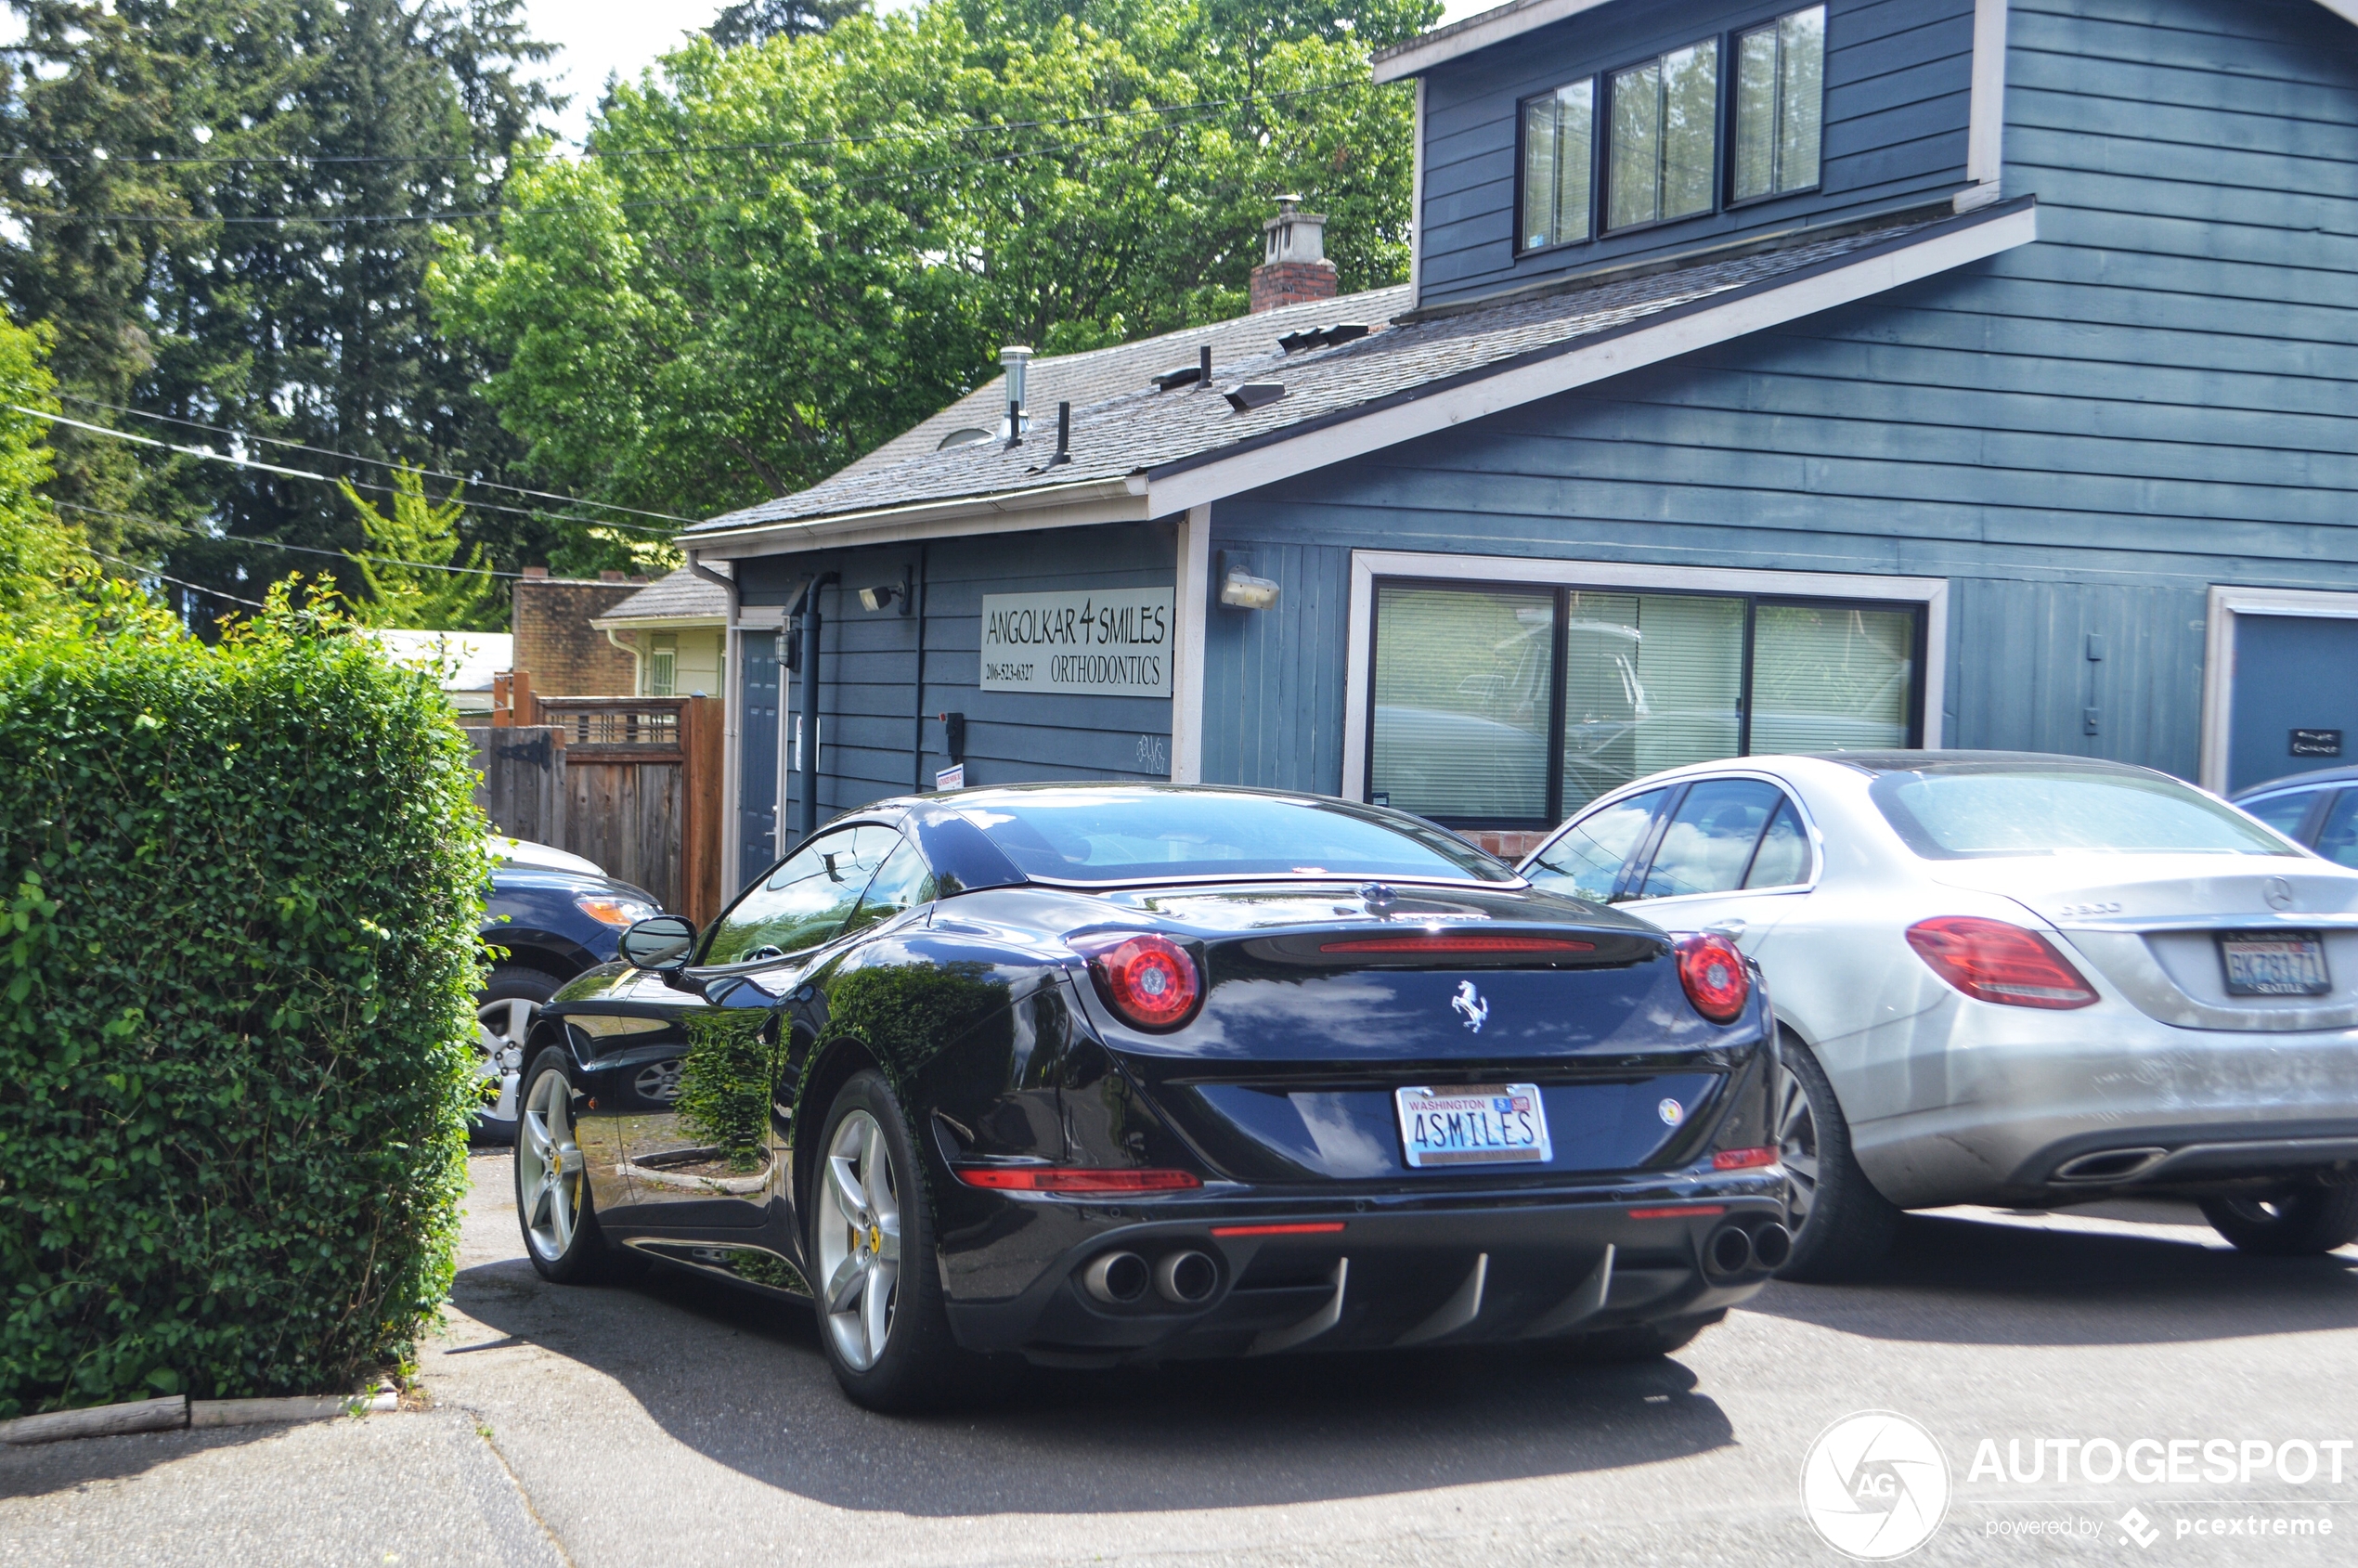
(195, 538)
(177, 582)
(451, 213)
(261, 467)
(381, 462)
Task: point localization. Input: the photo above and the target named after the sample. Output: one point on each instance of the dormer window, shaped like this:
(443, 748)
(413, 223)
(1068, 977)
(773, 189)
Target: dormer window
(1649, 144)
(1780, 96)
(1558, 159)
(1663, 143)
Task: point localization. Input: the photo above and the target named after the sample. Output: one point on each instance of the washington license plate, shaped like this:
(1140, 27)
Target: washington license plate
(2264, 964)
(1493, 1124)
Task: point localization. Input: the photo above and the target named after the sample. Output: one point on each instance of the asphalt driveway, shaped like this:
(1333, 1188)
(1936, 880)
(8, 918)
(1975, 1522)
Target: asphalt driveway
(678, 1422)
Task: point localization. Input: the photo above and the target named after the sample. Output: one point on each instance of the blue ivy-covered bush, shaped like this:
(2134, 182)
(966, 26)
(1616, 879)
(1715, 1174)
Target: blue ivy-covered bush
(242, 887)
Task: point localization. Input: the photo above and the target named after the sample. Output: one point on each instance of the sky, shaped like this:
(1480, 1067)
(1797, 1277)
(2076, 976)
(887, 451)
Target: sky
(604, 36)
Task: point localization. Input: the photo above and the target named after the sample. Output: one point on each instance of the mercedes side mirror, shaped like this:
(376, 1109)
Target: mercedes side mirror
(660, 944)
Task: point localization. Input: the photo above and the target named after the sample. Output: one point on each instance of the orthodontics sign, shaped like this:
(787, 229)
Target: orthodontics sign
(1100, 642)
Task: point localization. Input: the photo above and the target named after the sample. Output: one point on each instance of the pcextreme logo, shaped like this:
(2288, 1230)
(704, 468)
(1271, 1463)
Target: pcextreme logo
(1875, 1484)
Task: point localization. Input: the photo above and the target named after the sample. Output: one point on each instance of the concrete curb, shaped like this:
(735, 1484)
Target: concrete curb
(174, 1412)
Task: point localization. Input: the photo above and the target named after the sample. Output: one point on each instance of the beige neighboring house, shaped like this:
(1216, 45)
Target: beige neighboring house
(675, 631)
(468, 660)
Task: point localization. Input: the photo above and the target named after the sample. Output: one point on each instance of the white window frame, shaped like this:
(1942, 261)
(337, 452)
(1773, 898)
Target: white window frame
(1367, 565)
(2218, 658)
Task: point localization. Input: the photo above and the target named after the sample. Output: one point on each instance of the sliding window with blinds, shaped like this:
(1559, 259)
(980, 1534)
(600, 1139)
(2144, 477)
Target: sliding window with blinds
(1509, 706)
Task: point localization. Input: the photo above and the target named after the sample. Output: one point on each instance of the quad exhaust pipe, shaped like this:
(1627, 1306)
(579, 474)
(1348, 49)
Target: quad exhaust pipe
(1117, 1278)
(1184, 1278)
(1732, 1250)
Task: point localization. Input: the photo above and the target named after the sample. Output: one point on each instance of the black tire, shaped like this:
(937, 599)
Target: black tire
(1639, 1342)
(496, 1015)
(920, 1366)
(2301, 1223)
(1842, 1226)
(574, 1252)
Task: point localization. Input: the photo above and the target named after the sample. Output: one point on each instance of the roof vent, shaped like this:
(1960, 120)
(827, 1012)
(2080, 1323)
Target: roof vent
(1185, 375)
(1255, 395)
(1321, 337)
(1013, 359)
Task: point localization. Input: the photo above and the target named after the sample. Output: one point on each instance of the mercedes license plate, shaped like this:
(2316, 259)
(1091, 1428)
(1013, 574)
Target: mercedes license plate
(1490, 1124)
(2270, 963)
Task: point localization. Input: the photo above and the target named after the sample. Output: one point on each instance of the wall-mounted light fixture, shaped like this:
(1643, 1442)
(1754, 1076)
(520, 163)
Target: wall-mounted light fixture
(886, 594)
(1240, 590)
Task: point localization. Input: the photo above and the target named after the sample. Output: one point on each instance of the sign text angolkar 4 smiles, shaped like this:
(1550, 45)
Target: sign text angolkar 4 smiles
(1106, 643)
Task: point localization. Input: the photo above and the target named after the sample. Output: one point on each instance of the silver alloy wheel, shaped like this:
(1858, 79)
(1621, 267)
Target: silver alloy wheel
(500, 1029)
(1798, 1145)
(548, 1167)
(859, 1238)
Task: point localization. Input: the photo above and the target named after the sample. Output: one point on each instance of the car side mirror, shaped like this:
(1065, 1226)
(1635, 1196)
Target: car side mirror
(660, 944)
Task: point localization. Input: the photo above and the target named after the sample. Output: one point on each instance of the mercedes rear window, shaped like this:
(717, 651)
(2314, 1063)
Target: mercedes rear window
(1146, 835)
(1983, 810)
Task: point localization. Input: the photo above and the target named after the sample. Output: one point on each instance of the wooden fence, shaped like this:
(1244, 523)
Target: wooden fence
(631, 783)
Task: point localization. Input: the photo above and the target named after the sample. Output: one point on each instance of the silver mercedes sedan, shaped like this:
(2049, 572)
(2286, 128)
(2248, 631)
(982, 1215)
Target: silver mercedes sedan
(2013, 978)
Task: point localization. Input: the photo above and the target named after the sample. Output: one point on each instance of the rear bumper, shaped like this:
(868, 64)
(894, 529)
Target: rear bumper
(1394, 1271)
(2023, 1106)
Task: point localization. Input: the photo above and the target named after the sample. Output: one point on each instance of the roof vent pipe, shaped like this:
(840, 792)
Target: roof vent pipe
(1064, 436)
(1013, 359)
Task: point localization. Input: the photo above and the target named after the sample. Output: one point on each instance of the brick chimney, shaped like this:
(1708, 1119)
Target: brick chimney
(1294, 268)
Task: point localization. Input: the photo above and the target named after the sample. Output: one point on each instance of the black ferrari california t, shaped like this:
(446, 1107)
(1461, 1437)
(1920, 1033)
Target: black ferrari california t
(1081, 1073)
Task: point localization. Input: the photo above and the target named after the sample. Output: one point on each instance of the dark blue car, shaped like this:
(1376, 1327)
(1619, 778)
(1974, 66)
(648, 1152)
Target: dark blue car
(551, 915)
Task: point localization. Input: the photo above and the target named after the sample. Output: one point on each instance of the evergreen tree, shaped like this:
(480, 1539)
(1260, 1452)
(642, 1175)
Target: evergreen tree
(225, 207)
(406, 587)
(751, 22)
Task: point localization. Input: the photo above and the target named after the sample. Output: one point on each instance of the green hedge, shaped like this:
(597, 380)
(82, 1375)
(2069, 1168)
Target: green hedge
(243, 888)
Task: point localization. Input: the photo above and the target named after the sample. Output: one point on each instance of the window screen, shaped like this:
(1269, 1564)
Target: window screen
(1509, 706)
(1828, 678)
(1781, 97)
(1665, 136)
(1462, 692)
(1558, 130)
(1651, 681)
(663, 664)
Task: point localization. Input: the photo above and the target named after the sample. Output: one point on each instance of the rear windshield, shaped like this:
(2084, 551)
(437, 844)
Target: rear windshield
(1139, 836)
(1974, 811)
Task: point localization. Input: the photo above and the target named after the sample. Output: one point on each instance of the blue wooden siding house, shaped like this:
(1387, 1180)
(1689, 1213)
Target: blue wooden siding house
(1771, 377)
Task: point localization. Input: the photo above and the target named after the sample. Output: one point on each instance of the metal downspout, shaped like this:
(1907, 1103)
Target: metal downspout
(808, 823)
(731, 709)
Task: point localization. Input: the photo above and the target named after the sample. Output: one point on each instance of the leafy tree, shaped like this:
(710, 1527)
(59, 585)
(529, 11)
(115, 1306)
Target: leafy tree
(405, 586)
(222, 209)
(750, 21)
(785, 253)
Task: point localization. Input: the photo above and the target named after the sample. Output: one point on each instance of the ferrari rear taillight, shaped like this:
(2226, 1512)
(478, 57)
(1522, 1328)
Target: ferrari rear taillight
(1991, 961)
(1150, 980)
(1455, 944)
(1071, 1178)
(1715, 976)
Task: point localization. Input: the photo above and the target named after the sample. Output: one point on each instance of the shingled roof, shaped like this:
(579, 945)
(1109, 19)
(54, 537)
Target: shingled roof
(1135, 437)
(676, 596)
